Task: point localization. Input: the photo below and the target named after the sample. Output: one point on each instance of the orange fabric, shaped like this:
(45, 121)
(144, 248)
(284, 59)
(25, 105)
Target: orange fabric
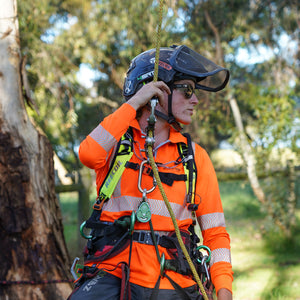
(96, 152)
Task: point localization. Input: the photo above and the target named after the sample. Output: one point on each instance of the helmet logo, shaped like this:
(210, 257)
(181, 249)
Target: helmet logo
(161, 64)
(165, 65)
(128, 86)
(146, 75)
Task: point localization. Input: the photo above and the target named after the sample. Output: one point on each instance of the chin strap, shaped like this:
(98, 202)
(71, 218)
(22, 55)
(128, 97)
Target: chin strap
(170, 117)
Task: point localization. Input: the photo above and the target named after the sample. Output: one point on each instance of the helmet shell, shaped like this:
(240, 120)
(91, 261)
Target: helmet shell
(142, 70)
(175, 62)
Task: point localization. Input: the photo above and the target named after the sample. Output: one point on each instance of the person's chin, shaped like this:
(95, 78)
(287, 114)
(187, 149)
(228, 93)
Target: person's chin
(185, 122)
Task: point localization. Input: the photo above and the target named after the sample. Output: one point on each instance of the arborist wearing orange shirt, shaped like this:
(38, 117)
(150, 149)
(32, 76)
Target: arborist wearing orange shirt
(132, 251)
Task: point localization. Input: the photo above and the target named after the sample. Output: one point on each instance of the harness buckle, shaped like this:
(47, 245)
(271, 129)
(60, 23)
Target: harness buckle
(146, 238)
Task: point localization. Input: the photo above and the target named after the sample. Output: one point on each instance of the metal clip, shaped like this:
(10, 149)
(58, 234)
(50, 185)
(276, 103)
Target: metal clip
(73, 272)
(162, 265)
(204, 263)
(151, 120)
(82, 231)
(144, 191)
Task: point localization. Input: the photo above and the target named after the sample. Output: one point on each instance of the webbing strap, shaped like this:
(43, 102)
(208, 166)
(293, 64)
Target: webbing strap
(187, 155)
(123, 155)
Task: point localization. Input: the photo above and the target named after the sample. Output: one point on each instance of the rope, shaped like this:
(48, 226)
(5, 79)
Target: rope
(155, 170)
(172, 215)
(158, 41)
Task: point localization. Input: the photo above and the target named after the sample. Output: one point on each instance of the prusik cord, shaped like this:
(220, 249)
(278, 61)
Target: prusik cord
(155, 170)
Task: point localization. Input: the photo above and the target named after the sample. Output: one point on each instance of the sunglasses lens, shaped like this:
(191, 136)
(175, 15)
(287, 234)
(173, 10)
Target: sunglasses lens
(186, 89)
(188, 92)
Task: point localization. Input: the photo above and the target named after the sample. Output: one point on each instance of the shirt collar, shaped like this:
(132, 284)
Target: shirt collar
(174, 137)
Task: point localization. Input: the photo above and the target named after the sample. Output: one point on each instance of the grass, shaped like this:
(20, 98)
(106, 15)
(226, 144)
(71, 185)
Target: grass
(265, 267)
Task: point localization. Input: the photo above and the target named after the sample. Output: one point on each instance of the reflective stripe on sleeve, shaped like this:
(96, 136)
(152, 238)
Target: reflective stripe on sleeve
(212, 220)
(103, 138)
(220, 255)
(158, 207)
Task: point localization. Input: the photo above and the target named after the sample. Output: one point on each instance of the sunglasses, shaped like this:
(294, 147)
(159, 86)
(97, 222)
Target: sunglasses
(187, 89)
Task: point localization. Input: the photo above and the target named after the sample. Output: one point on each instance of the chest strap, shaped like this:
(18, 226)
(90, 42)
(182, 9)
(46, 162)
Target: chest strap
(165, 177)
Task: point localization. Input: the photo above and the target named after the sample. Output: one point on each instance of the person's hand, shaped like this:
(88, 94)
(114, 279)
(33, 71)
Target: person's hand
(224, 294)
(147, 92)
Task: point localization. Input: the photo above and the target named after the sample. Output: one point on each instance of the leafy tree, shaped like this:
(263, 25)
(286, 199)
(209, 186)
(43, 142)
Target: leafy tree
(106, 35)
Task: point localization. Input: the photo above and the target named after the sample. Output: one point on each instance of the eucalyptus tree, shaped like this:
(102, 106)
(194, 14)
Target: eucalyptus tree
(34, 259)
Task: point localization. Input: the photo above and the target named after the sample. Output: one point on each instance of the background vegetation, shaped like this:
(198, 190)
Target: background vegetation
(76, 53)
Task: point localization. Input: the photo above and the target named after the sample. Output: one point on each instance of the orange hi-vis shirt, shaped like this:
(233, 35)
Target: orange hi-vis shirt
(97, 151)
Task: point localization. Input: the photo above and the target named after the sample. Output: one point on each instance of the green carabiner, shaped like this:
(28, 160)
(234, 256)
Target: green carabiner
(132, 222)
(209, 253)
(162, 264)
(82, 233)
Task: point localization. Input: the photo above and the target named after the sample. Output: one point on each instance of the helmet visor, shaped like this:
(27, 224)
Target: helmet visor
(209, 76)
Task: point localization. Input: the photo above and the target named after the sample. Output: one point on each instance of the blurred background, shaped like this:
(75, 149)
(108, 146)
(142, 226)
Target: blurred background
(75, 55)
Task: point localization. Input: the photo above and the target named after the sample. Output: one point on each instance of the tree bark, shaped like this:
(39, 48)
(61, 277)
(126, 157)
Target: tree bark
(33, 250)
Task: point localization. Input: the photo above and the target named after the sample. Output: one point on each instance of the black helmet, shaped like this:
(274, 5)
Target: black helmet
(175, 63)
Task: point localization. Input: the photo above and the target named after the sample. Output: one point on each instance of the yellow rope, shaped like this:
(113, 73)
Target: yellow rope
(155, 170)
(158, 33)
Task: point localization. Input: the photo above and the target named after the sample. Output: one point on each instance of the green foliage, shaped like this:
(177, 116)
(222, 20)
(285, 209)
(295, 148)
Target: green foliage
(60, 36)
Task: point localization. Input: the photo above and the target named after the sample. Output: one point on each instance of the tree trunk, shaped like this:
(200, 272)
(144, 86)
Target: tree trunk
(247, 152)
(33, 250)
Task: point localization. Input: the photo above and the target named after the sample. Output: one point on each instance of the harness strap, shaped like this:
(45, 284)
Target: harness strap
(177, 287)
(165, 177)
(187, 155)
(125, 286)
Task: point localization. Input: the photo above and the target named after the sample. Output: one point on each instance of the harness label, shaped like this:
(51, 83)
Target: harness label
(113, 172)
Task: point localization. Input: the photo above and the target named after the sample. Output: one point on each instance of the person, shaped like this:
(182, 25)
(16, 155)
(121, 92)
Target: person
(127, 263)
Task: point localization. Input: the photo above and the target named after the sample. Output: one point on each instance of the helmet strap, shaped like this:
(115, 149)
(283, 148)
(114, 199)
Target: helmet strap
(170, 117)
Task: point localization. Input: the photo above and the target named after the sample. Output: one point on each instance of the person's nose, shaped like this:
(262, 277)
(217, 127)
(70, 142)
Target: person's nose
(194, 100)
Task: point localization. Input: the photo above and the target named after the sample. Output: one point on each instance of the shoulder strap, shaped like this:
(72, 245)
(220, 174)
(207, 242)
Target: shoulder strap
(122, 155)
(187, 154)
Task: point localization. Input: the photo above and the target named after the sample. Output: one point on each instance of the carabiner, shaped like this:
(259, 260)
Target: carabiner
(152, 120)
(208, 251)
(132, 222)
(82, 233)
(140, 180)
(204, 263)
(73, 271)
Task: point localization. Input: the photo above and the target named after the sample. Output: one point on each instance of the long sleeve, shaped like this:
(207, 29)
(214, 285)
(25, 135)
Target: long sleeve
(95, 149)
(212, 222)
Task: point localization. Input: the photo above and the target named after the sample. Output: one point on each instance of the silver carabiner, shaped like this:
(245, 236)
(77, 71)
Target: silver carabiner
(204, 263)
(144, 191)
(73, 272)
